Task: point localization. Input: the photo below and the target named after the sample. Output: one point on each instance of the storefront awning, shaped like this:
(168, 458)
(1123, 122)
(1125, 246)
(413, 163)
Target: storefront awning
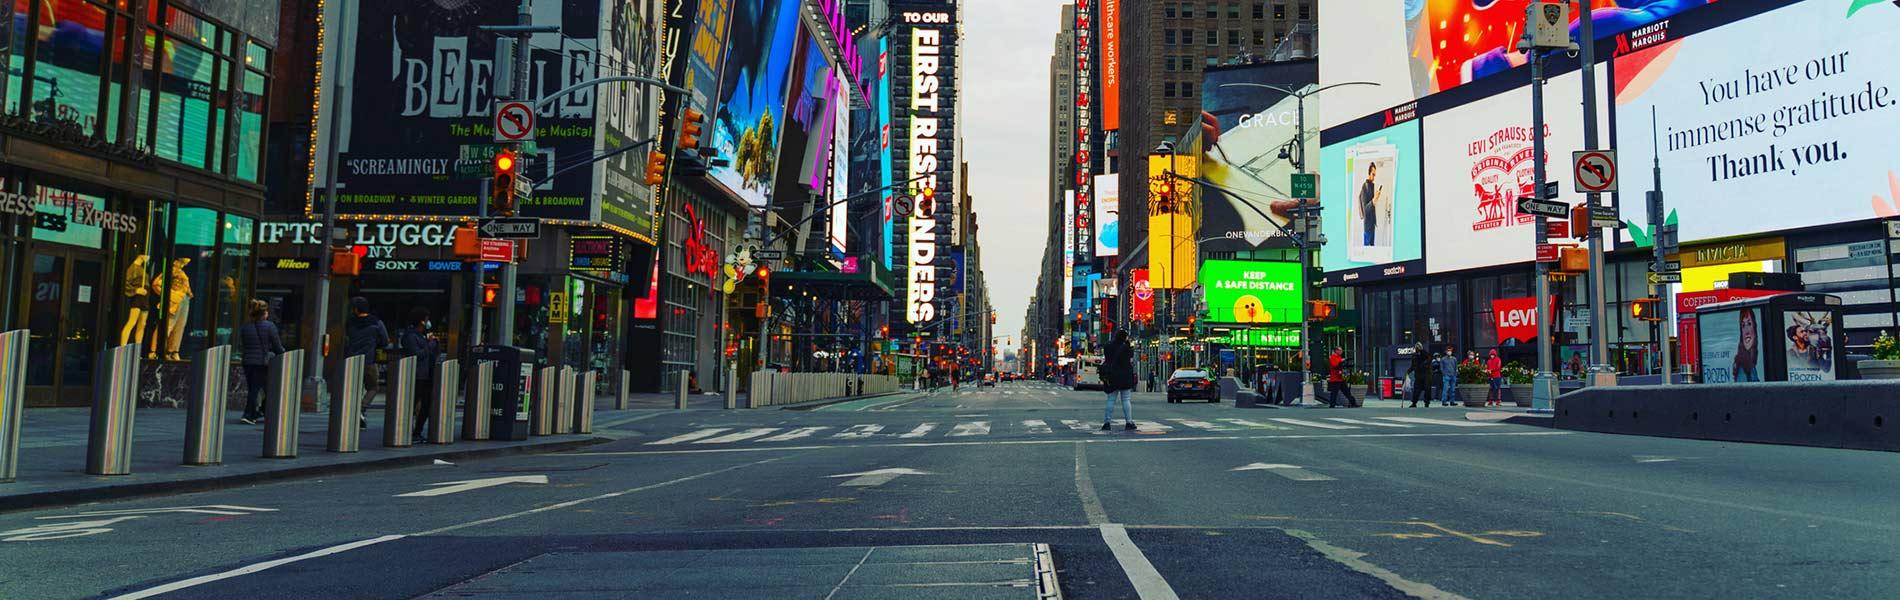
(871, 282)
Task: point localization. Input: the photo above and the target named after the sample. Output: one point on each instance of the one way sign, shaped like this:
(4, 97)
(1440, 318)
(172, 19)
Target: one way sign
(511, 228)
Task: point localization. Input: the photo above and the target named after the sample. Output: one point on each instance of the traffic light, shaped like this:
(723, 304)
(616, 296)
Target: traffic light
(502, 190)
(1323, 310)
(345, 262)
(1646, 309)
(656, 168)
(691, 124)
(491, 293)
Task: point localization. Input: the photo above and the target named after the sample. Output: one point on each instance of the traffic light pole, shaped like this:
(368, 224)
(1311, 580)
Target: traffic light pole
(1600, 371)
(475, 312)
(313, 370)
(1544, 383)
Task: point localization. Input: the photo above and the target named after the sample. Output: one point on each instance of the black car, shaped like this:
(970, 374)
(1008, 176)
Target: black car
(1192, 383)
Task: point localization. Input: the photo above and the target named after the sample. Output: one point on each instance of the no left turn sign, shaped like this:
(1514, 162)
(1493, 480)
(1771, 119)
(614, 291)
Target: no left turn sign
(514, 122)
(1595, 171)
(903, 205)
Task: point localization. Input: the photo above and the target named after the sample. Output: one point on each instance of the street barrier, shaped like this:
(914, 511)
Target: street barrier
(475, 407)
(679, 399)
(346, 405)
(114, 396)
(442, 402)
(281, 411)
(1838, 414)
(564, 402)
(732, 386)
(771, 388)
(584, 415)
(541, 410)
(399, 403)
(623, 399)
(205, 396)
(13, 352)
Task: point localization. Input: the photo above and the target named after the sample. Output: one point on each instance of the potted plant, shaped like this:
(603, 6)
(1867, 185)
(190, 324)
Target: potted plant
(1885, 363)
(1474, 383)
(1519, 377)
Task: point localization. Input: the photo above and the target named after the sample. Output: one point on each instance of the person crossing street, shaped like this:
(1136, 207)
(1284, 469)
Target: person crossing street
(1118, 378)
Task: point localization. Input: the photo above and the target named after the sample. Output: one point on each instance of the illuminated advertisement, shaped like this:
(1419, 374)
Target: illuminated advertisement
(1371, 205)
(1068, 248)
(884, 153)
(1760, 136)
(1250, 196)
(1111, 24)
(928, 129)
(1272, 337)
(1141, 304)
(1413, 48)
(1731, 345)
(1479, 163)
(1243, 291)
(626, 116)
(1171, 251)
(1810, 345)
(752, 97)
(1084, 135)
(840, 164)
(1107, 215)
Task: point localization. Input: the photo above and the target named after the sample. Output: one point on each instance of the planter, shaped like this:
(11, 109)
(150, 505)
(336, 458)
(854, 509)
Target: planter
(1473, 394)
(1520, 393)
(1879, 369)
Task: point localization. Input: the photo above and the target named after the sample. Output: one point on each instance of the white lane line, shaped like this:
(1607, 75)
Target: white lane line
(1153, 425)
(1202, 425)
(1104, 440)
(920, 431)
(1425, 421)
(1313, 424)
(1148, 582)
(703, 433)
(971, 428)
(204, 579)
(1037, 426)
(1252, 424)
(1085, 489)
(1356, 561)
(1055, 393)
(858, 432)
(802, 432)
(1359, 422)
(1077, 425)
(1293, 472)
(739, 436)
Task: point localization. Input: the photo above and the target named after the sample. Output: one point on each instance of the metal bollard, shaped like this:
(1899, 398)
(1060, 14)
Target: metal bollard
(209, 387)
(680, 400)
(541, 409)
(13, 352)
(475, 406)
(625, 397)
(346, 405)
(281, 412)
(732, 387)
(442, 402)
(399, 403)
(114, 396)
(564, 402)
(584, 415)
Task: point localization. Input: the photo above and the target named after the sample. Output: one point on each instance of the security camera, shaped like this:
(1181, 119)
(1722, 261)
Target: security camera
(1285, 154)
(1571, 51)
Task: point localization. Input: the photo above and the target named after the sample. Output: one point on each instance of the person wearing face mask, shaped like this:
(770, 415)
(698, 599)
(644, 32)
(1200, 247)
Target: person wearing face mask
(418, 341)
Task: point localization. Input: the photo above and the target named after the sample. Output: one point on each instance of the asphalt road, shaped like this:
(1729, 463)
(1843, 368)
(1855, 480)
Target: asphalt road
(1203, 501)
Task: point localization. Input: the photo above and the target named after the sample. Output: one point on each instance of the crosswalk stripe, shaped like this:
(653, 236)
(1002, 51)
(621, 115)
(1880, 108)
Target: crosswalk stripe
(1256, 425)
(920, 431)
(795, 434)
(1202, 425)
(1359, 422)
(1037, 426)
(703, 433)
(855, 432)
(971, 428)
(1153, 425)
(1077, 425)
(738, 436)
(1425, 421)
(1313, 424)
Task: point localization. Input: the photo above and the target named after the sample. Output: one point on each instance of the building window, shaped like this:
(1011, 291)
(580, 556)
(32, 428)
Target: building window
(1169, 63)
(1233, 37)
(1259, 11)
(1306, 12)
(1279, 12)
(1187, 11)
(1233, 10)
(1259, 38)
(1167, 90)
(1168, 11)
(1187, 89)
(250, 103)
(1211, 37)
(1167, 36)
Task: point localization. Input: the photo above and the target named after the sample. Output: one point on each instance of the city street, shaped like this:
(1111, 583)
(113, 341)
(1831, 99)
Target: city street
(1202, 501)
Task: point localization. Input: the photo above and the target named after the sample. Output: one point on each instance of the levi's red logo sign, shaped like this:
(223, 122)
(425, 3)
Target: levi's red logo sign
(1516, 318)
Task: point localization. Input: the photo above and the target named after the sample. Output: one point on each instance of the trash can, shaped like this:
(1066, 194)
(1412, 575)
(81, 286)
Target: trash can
(510, 391)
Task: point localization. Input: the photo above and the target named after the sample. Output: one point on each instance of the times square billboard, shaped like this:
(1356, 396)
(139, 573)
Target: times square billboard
(926, 48)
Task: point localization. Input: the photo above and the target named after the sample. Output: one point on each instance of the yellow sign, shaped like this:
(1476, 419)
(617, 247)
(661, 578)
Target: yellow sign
(557, 308)
(1740, 251)
(1172, 217)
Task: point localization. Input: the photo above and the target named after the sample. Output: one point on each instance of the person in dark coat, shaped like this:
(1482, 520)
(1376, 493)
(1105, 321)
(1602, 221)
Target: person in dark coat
(364, 334)
(259, 340)
(1118, 379)
(418, 341)
(1421, 376)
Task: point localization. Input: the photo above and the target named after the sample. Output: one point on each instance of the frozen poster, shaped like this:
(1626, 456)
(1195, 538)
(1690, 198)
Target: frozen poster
(1810, 345)
(1731, 346)
(1369, 219)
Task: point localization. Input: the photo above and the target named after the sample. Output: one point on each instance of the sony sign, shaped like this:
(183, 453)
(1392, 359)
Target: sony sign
(925, 63)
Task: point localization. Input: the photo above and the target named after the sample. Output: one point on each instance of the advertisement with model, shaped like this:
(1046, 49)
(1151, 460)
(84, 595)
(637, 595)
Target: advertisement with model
(1371, 205)
(1247, 151)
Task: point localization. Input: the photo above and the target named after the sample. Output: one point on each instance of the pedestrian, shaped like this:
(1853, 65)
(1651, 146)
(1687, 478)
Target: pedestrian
(1336, 380)
(1447, 375)
(364, 334)
(1495, 368)
(258, 337)
(1151, 380)
(1118, 379)
(1420, 376)
(419, 341)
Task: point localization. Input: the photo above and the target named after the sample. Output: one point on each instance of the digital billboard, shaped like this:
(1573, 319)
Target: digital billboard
(924, 38)
(758, 60)
(1478, 163)
(1171, 250)
(1141, 303)
(1251, 192)
(627, 115)
(1107, 215)
(1758, 136)
(1246, 291)
(1371, 204)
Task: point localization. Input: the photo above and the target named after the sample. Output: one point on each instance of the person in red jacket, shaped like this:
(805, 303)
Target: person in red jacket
(1496, 368)
(1336, 366)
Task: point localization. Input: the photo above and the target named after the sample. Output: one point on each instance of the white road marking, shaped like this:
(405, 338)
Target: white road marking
(1055, 393)
(971, 428)
(920, 431)
(1255, 425)
(207, 509)
(1153, 425)
(1313, 424)
(452, 487)
(801, 432)
(1078, 425)
(739, 436)
(876, 478)
(1425, 421)
(1293, 472)
(703, 433)
(1037, 426)
(1359, 422)
(1202, 425)
(858, 432)
(204, 579)
(1640, 459)
(1149, 585)
(1105, 440)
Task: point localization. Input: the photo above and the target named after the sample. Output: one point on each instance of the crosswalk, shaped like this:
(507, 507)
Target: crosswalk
(1038, 427)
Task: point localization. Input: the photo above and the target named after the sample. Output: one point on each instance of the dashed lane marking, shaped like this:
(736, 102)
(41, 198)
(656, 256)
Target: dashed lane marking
(858, 432)
(971, 428)
(703, 433)
(1313, 424)
(802, 432)
(1359, 422)
(1425, 421)
(920, 431)
(738, 436)
(1037, 426)
(1253, 424)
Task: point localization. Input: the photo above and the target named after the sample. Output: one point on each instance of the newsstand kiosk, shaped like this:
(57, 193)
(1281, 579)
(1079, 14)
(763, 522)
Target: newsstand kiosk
(514, 383)
(1785, 337)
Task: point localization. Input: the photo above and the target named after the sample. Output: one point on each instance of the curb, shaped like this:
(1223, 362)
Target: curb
(805, 406)
(120, 492)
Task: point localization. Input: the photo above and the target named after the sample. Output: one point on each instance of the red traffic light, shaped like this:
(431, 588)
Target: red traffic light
(505, 162)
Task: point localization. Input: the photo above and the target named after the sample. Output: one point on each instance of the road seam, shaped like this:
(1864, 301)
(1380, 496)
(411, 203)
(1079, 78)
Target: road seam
(1356, 561)
(853, 571)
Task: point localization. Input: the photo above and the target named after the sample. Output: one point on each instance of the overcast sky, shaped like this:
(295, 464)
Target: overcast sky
(1006, 49)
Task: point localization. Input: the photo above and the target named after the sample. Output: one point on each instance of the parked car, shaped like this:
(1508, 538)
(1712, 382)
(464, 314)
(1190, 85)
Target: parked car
(1192, 383)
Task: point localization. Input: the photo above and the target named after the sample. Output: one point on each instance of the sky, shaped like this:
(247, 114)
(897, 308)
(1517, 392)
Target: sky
(1006, 49)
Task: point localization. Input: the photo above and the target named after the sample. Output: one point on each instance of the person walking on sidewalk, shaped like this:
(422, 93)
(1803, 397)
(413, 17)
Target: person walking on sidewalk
(417, 340)
(364, 334)
(1421, 376)
(1118, 378)
(1495, 368)
(260, 341)
(1447, 375)
(1336, 366)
